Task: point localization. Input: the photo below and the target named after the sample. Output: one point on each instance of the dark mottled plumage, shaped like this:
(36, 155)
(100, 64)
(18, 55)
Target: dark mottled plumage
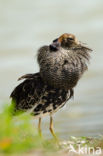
(40, 99)
(61, 65)
(63, 62)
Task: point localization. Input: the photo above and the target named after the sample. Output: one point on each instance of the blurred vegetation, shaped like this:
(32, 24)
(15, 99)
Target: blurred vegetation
(18, 134)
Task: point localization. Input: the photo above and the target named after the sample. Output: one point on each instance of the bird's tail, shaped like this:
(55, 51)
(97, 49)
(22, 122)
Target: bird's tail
(27, 76)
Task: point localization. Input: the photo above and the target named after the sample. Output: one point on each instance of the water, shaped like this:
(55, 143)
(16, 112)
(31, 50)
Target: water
(25, 26)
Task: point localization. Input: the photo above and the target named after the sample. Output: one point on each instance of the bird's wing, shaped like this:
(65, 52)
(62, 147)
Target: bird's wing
(27, 93)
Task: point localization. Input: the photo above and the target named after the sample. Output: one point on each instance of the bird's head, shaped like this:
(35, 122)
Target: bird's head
(65, 41)
(68, 41)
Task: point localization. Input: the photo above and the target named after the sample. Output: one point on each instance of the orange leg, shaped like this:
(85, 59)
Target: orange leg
(39, 127)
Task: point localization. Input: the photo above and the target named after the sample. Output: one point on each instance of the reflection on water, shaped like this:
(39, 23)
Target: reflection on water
(24, 26)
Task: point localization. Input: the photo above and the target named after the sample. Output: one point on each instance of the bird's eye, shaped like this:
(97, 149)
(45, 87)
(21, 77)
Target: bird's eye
(70, 39)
